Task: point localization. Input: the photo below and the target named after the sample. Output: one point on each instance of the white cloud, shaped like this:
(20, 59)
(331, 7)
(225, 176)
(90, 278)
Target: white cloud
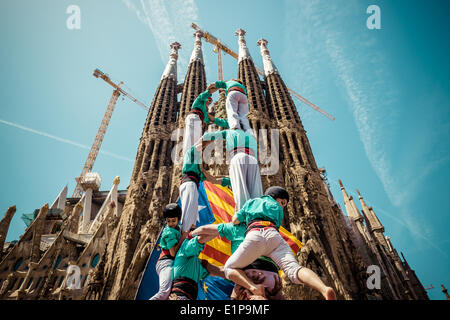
(318, 33)
(168, 21)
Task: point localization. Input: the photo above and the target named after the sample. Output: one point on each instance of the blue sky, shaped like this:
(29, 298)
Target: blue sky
(387, 88)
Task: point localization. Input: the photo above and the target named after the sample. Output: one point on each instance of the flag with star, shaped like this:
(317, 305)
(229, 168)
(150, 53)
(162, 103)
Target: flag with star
(215, 205)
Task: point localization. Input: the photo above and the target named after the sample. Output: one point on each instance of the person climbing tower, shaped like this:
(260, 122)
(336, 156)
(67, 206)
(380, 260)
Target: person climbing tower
(170, 242)
(236, 104)
(197, 114)
(244, 173)
(263, 217)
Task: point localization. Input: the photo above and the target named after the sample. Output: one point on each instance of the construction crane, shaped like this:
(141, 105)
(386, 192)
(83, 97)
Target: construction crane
(92, 156)
(219, 47)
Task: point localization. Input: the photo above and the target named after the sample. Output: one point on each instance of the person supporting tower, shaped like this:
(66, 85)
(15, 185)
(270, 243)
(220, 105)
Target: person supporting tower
(236, 104)
(191, 176)
(170, 242)
(262, 269)
(188, 269)
(263, 217)
(245, 177)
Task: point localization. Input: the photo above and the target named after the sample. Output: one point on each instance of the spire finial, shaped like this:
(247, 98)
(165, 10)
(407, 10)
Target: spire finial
(269, 66)
(197, 54)
(244, 53)
(171, 68)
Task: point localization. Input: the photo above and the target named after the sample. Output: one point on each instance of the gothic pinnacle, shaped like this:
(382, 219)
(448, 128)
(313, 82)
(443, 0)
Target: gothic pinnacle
(244, 53)
(171, 68)
(269, 66)
(197, 54)
(374, 222)
(352, 210)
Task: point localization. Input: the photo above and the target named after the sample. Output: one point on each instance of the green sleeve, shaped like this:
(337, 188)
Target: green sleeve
(241, 214)
(201, 99)
(220, 84)
(169, 238)
(193, 247)
(223, 123)
(215, 135)
(169, 241)
(226, 182)
(223, 230)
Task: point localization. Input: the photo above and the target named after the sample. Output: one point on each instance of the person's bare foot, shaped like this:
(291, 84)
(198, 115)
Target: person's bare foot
(329, 294)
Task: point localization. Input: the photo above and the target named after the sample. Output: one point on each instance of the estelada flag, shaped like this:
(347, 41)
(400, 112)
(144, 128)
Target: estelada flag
(215, 205)
(221, 203)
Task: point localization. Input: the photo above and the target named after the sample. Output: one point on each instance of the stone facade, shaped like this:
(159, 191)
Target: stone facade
(111, 245)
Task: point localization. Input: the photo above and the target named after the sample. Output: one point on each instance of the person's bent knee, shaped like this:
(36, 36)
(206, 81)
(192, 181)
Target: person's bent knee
(292, 274)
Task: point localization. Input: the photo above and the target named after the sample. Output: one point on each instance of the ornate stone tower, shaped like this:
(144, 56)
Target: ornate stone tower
(194, 84)
(313, 217)
(4, 226)
(148, 191)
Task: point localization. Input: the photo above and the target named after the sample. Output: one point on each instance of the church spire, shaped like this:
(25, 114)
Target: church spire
(244, 53)
(352, 210)
(197, 53)
(444, 290)
(171, 68)
(4, 226)
(269, 66)
(194, 81)
(374, 222)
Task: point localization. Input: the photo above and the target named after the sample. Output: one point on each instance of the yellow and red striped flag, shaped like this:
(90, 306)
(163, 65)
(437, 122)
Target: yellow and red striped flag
(221, 202)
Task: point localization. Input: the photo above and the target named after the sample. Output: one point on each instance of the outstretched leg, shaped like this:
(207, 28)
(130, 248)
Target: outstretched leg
(311, 279)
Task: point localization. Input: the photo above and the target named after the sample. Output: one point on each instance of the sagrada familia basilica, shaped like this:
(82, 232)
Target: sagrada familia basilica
(109, 235)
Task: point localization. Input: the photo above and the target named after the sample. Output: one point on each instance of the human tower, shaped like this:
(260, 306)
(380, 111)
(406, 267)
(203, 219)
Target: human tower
(258, 249)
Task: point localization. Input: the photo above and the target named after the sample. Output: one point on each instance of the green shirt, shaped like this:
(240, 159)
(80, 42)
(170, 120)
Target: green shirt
(229, 84)
(234, 233)
(234, 139)
(200, 103)
(187, 264)
(265, 207)
(192, 162)
(169, 237)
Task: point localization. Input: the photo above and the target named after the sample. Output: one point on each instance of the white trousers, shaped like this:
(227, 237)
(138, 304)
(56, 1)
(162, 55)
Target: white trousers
(237, 111)
(192, 131)
(245, 179)
(267, 243)
(189, 204)
(164, 271)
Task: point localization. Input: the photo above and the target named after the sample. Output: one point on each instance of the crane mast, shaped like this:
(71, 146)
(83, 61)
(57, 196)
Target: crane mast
(95, 148)
(219, 47)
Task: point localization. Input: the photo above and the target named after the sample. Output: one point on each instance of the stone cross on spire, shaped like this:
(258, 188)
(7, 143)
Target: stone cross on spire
(171, 68)
(197, 53)
(244, 53)
(269, 66)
